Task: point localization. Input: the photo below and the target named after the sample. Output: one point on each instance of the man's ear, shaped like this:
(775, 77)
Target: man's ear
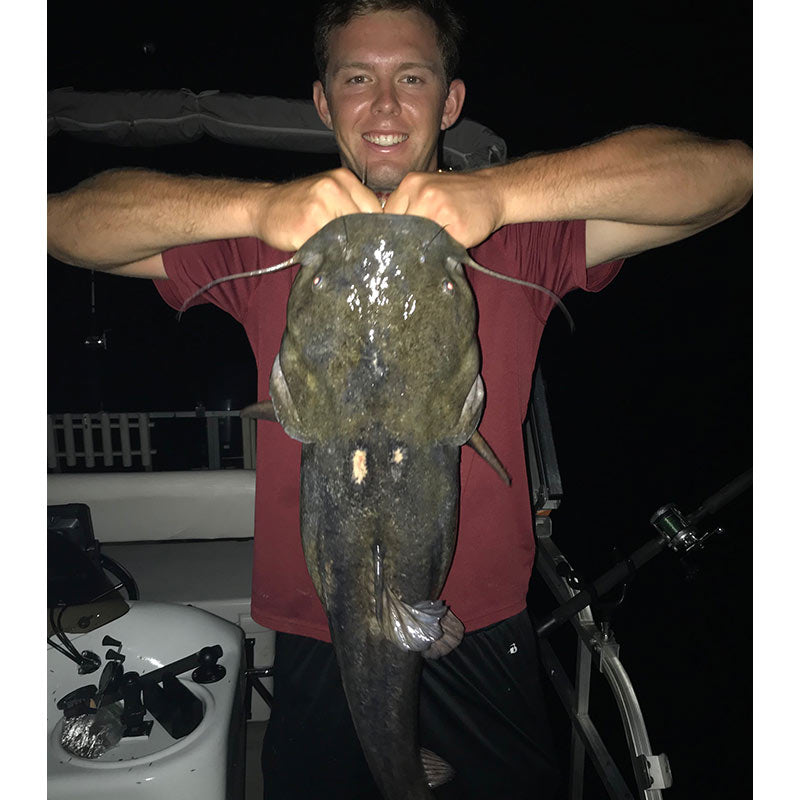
(321, 104)
(453, 103)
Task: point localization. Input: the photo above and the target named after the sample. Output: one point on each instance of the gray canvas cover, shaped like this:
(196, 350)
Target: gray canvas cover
(152, 118)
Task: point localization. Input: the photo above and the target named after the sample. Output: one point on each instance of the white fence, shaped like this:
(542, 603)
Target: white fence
(124, 439)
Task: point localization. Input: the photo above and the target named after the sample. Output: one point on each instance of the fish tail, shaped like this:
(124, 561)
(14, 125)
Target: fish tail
(385, 722)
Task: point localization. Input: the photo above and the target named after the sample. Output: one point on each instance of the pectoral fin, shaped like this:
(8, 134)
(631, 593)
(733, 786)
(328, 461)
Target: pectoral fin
(466, 431)
(263, 410)
(481, 447)
(470, 413)
(285, 410)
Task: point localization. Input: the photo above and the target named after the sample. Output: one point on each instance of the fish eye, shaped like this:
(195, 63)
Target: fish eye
(316, 281)
(448, 286)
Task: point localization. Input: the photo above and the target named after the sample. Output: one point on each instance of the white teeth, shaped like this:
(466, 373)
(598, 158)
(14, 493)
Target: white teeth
(384, 140)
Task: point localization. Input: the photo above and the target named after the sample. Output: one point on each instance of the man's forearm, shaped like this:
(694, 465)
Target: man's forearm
(122, 216)
(648, 176)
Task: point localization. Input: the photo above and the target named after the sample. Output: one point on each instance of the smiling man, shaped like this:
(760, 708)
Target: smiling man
(386, 95)
(564, 220)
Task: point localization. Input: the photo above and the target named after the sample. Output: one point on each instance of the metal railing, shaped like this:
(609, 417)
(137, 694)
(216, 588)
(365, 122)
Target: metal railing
(124, 439)
(596, 646)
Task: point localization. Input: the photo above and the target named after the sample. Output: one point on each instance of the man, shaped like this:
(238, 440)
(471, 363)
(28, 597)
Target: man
(387, 89)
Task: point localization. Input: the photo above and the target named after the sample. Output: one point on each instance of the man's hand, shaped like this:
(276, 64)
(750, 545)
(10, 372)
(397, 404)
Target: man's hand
(290, 213)
(466, 204)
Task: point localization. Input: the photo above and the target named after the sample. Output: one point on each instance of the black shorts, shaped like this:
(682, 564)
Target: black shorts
(481, 709)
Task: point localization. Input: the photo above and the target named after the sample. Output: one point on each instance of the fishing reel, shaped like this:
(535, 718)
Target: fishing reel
(682, 535)
(678, 531)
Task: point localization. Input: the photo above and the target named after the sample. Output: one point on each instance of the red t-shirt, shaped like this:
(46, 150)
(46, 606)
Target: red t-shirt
(488, 580)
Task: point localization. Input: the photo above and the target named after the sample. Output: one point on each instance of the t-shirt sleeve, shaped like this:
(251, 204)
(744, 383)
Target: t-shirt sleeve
(191, 267)
(551, 254)
(556, 253)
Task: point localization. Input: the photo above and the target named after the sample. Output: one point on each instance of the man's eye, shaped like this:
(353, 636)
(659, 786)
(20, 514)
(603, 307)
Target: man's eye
(412, 79)
(357, 79)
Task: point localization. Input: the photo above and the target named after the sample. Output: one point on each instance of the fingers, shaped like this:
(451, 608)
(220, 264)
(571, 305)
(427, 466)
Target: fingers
(398, 202)
(330, 195)
(464, 204)
(460, 203)
(339, 192)
(292, 212)
(365, 199)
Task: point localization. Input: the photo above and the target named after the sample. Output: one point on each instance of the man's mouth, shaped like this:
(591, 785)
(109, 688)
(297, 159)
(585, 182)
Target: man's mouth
(385, 139)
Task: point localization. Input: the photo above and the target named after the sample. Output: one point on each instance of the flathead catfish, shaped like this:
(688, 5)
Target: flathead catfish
(378, 377)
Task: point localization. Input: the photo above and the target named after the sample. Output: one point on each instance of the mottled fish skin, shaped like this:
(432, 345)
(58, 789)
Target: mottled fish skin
(378, 376)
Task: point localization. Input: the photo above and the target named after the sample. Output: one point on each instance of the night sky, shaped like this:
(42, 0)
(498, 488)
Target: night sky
(650, 398)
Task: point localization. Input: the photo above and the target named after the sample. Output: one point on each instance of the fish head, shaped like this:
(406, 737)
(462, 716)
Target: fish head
(381, 325)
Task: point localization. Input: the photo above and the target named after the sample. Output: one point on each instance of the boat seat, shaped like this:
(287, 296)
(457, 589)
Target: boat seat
(186, 537)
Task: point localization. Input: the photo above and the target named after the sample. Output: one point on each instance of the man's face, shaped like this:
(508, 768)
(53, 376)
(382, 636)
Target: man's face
(385, 97)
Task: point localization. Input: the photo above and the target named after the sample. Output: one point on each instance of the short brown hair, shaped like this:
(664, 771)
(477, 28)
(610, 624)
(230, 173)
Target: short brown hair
(336, 13)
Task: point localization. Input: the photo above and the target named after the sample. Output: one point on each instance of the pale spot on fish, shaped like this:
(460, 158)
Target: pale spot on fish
(378, 283)
(397, 456)
(359, 466)
(353, 301)
(377, 286)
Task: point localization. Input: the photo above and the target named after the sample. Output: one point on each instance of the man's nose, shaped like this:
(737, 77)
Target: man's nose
(385, 101)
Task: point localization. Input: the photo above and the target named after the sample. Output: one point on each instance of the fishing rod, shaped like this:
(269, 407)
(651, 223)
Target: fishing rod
(675, 531)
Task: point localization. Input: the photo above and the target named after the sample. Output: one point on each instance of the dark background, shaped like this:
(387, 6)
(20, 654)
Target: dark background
(650, 398)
